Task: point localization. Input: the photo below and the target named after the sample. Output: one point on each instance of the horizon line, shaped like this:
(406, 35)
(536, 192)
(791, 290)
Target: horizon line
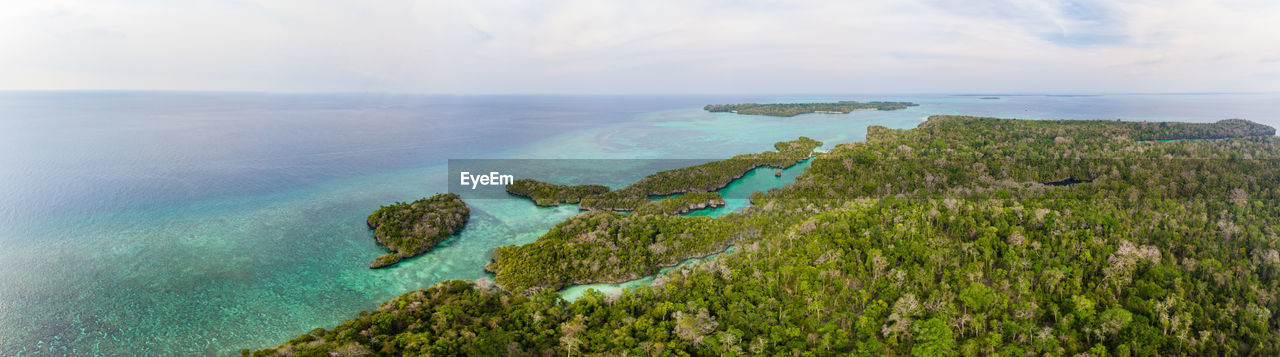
(442, 94)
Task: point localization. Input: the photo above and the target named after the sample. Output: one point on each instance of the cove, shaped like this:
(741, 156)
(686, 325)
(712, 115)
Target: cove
(760, 179)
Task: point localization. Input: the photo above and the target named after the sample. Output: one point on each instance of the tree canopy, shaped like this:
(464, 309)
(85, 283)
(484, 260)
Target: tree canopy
(793, 109)
(410, 229)
(939, 240)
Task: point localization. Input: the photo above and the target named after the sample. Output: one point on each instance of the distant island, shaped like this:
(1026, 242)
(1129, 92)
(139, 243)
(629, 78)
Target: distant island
(410, 229)
(989, 98)
(794, 109)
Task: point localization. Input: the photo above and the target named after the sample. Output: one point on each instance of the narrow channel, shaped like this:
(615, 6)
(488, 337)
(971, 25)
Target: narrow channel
(735, 195)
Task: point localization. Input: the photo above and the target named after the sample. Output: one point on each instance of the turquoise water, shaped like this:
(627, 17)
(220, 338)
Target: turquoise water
(577, 291)
(760, 179)
(140, 223)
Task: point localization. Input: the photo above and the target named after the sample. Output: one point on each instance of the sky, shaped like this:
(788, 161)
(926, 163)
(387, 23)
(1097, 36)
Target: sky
(642, 47)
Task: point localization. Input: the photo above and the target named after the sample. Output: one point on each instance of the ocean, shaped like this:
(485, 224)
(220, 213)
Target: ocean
(190, 223)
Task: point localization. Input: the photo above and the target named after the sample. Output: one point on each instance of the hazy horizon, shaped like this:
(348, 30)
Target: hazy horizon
(661, 47)
(757, 94)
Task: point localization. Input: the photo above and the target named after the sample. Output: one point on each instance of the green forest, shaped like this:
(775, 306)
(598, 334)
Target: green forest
(410, 229)
(682, 204)
(706, 177)
(943, 240)
(608, 247)
(546, 194)
(794, 109)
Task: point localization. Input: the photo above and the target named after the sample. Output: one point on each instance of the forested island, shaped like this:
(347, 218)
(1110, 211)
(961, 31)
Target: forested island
(410, 229)
(703, 179)
(683, 203)
(706, 177)
(546, 194)
(934, 241)
(794, 109)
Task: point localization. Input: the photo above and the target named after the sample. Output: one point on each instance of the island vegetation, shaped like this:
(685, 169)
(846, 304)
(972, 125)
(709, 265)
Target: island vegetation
(682, 204)
(410, 229)
(1229, 128)
(604, 247)
(941, 240)
(609, 247)
(703, 178)
(547, 194)
(706, 177)
(793, 109)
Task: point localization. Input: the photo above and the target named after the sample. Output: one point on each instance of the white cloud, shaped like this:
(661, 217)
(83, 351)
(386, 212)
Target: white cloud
(577, 46)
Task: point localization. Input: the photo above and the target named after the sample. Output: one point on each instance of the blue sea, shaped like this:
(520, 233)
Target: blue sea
(177, 223)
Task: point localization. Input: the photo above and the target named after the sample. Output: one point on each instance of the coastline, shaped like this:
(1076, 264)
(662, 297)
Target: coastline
(576, 291)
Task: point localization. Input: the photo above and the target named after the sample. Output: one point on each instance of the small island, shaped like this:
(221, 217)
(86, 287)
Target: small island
(410, 229)
(793, 109)
(547, 194)
(990, 98)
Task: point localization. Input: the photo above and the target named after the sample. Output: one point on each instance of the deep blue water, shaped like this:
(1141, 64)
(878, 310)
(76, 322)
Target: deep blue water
(156, 223)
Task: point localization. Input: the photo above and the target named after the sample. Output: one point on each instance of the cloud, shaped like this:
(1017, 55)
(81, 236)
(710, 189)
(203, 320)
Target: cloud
(578, 46)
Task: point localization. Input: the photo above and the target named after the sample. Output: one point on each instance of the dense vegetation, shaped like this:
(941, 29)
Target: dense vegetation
(410, 229)
(1229, 128)
(546, 194)
(940, 240)
(609, 247)
(793, 109)
(682, 204)
(706, 177)
(605, 247)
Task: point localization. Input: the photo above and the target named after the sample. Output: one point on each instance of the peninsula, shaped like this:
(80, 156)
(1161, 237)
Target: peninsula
(793, 109)
(410, 229)
(547, 194)
(706, 177)
(702, 179)
(682, 204)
